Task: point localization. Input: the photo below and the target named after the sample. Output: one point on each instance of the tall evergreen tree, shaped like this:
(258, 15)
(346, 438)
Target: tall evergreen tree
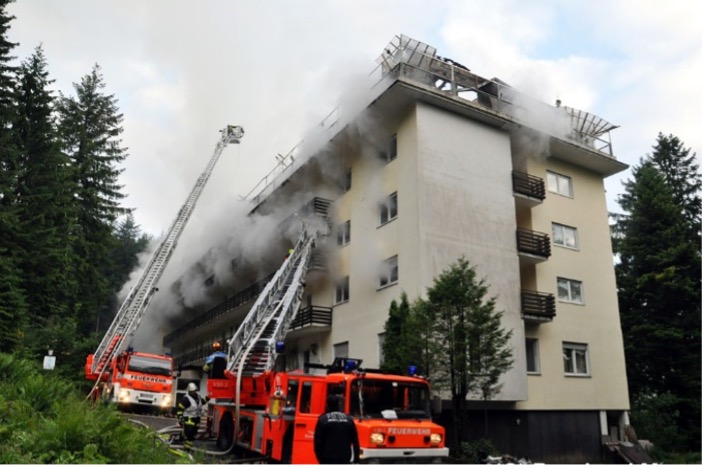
(13, 308)
(401, 347)
(90, 127)
(467, 338)
(45, 197)
(659, 277)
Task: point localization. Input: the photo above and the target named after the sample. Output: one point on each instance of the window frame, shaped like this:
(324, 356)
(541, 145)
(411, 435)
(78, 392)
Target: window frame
(342, 291)
(563, 228)
(389, 272)
(392, 149)
(535, 355)
(573, 348)
(391, 203)
(570, 291)
(347, 180)
(557, 190)
(343, 233)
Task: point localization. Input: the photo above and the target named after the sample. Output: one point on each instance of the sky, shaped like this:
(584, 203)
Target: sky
(182, 70)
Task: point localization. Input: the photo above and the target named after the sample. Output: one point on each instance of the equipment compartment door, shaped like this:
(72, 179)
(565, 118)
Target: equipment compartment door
(309, 407)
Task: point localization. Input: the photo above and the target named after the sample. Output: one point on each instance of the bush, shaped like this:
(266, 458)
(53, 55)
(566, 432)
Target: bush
(44, 420)
(475, 452)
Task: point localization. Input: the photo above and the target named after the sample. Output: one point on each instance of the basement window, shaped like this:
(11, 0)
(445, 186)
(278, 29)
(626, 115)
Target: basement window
(389, 274)
(342, 290)
(576, 361)
(388, 209)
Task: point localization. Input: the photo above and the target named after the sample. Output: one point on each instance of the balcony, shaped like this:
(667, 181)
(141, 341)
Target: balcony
(534, 247)
(246, 295)
(311, 320)
(529, 190)
(537, 307)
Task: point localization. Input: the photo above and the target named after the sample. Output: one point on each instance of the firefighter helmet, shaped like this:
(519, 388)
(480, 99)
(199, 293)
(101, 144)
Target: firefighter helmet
(191, 387)
(216, 345)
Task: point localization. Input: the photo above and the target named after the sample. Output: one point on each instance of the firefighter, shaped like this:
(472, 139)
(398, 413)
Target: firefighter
(335, 437)
(189, 414)
(216, 362)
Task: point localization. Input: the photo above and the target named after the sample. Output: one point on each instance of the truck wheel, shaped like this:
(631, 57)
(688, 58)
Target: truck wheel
(226, 433)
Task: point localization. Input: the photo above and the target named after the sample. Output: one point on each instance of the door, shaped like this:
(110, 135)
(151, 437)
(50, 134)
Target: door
(310, 406)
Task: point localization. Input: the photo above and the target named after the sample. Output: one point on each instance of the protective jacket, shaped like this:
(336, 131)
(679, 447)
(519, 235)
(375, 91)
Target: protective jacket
(190, 407)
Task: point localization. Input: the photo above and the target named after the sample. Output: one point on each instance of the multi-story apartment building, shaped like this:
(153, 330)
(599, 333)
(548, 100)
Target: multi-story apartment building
(442, 163)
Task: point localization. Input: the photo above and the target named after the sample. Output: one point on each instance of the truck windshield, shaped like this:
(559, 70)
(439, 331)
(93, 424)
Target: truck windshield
(376, 398)
(153, 366)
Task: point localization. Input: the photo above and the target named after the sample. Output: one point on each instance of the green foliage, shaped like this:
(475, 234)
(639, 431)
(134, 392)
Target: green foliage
(475, 452)
(455, 335)
(659, 278)
(43, 420)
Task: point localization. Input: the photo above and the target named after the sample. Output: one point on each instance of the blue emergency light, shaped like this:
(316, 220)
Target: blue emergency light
(279, 347)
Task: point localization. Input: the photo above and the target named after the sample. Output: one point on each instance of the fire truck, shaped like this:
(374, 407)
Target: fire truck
(131, 378)
(257, 412)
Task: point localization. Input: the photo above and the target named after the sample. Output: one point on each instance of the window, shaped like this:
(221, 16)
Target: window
(565, 236)
(388, 209)
(575, 359)
(532, 356)
(570, 291)
(560, 184)
(380, 348)
(340, 350)
(342, 290)
(346, 182)
(390, 272)
(392, 148)
(344, 233)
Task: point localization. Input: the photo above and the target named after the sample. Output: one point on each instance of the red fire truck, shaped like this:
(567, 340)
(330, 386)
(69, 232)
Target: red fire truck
(277, 413)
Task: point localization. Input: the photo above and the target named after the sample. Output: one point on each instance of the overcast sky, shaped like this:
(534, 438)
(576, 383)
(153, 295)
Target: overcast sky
(181, 70)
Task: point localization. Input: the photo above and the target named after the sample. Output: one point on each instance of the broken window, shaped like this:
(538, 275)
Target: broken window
(390, 272)
(342, 290)
(344, 233)
(388, 209)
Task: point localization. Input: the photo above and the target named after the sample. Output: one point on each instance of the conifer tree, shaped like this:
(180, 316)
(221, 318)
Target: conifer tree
(44, 197)
(460, 340)
(401, 347)
(13, 307)
(659, 278)
(90, 128)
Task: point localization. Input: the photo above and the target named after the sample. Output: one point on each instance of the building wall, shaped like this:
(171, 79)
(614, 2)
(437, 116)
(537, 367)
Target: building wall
(596, 322)
(466, 208)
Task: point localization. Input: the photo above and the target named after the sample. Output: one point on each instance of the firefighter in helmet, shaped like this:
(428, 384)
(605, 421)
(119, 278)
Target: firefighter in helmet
(216, 363)
(189, 414)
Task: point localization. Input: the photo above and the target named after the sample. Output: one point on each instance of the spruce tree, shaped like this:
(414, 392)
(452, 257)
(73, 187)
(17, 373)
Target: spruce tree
(90, 128)
(401, 347)
(45, 197)
(467, 337)
(13, 307)
(659, 279)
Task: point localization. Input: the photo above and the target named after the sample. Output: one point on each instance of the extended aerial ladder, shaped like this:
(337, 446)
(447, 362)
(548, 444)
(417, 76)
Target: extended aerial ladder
(133, 308)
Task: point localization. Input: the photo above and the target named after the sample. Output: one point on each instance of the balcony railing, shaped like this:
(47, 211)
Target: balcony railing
(313, 316)
(528, 185)
(240, 298)
(537, 306)
(537, 244)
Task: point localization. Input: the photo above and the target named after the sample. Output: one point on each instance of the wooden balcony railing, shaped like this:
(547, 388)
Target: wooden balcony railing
(528, 185)
(537, 306)
(533, 243)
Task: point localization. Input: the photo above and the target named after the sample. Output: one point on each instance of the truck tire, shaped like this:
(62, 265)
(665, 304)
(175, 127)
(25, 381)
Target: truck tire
(226, 431)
